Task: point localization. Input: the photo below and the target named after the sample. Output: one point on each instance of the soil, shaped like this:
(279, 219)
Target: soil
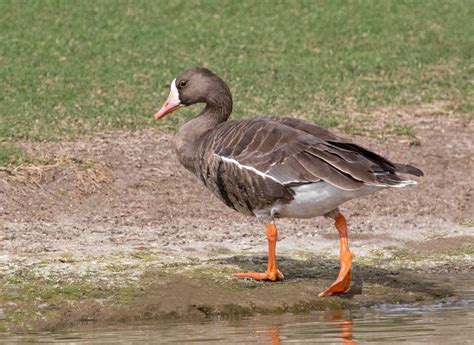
(118, 211)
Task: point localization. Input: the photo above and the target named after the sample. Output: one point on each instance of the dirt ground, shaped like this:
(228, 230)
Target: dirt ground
(118, 209)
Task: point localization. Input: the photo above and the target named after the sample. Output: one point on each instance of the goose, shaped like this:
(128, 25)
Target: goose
(272, 167)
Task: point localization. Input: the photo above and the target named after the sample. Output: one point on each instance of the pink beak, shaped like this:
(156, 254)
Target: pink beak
(172, 103)
(167, 108)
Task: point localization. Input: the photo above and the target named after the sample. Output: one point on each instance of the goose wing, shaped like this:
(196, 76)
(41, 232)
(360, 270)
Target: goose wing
(293, 152)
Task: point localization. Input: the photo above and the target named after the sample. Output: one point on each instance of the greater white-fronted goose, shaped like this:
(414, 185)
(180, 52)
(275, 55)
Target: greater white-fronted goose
(271, 167)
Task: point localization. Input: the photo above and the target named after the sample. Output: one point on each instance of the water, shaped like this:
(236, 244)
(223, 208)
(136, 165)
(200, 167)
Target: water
(441, 323)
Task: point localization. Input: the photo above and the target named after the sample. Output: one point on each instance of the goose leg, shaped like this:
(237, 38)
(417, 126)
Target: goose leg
(343, 280)
(272, 273)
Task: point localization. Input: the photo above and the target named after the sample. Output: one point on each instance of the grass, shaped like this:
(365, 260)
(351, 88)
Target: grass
(75, 68)
(12, 155)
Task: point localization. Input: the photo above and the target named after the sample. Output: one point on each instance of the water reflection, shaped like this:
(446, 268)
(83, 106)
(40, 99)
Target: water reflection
(335, 319)
(272, 334)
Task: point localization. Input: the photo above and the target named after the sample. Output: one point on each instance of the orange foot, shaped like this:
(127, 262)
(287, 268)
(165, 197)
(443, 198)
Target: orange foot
(265, 276)
(339, 286)
(272, 273)
(343, 280)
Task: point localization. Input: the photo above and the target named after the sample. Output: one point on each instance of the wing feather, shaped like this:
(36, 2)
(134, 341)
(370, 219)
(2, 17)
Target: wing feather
(292, 152)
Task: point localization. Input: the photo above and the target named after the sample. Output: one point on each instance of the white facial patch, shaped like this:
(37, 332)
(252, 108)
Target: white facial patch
(173, 98)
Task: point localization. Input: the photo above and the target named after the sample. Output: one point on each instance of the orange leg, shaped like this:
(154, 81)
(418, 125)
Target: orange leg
(343, 280)
(272, 273)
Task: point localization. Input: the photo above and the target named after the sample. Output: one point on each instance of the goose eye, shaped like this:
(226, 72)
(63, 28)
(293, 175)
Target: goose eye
(183, 83)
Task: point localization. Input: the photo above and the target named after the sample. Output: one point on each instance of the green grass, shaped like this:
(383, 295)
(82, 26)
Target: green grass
(74, 68)
(12, 155)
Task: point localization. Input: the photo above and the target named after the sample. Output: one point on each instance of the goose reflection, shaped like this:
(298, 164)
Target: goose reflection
(272, 333)
(337, 317)
(333, 317)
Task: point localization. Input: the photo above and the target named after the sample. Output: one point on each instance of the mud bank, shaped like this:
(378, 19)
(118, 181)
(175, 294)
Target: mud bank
(49, 294)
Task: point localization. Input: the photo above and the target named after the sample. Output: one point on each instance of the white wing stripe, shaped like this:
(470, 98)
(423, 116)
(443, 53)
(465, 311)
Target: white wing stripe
(241, 166)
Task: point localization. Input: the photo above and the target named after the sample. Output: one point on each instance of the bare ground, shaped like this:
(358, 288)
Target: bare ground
(116, 213)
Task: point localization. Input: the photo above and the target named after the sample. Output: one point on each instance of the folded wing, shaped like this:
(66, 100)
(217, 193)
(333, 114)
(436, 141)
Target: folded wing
(294, 152)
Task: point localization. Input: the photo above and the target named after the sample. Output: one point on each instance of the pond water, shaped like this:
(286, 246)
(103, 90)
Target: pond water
(440, 323)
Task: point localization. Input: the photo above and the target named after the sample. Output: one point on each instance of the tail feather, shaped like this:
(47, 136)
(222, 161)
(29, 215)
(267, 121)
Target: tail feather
(383, 163)
(393, 180)
(407, 169)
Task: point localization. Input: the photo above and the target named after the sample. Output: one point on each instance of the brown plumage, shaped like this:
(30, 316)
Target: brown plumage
(259, 166)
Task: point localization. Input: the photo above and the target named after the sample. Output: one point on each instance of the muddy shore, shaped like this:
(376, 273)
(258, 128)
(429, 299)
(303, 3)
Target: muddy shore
(111, 228)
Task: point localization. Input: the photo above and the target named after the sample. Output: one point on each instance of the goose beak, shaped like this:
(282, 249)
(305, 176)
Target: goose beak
(172, 102)
(167, 108)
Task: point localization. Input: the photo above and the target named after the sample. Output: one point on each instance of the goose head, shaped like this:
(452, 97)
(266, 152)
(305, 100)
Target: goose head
(197, 85)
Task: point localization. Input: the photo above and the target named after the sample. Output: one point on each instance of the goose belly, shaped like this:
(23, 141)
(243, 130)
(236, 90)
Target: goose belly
(317, 199)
